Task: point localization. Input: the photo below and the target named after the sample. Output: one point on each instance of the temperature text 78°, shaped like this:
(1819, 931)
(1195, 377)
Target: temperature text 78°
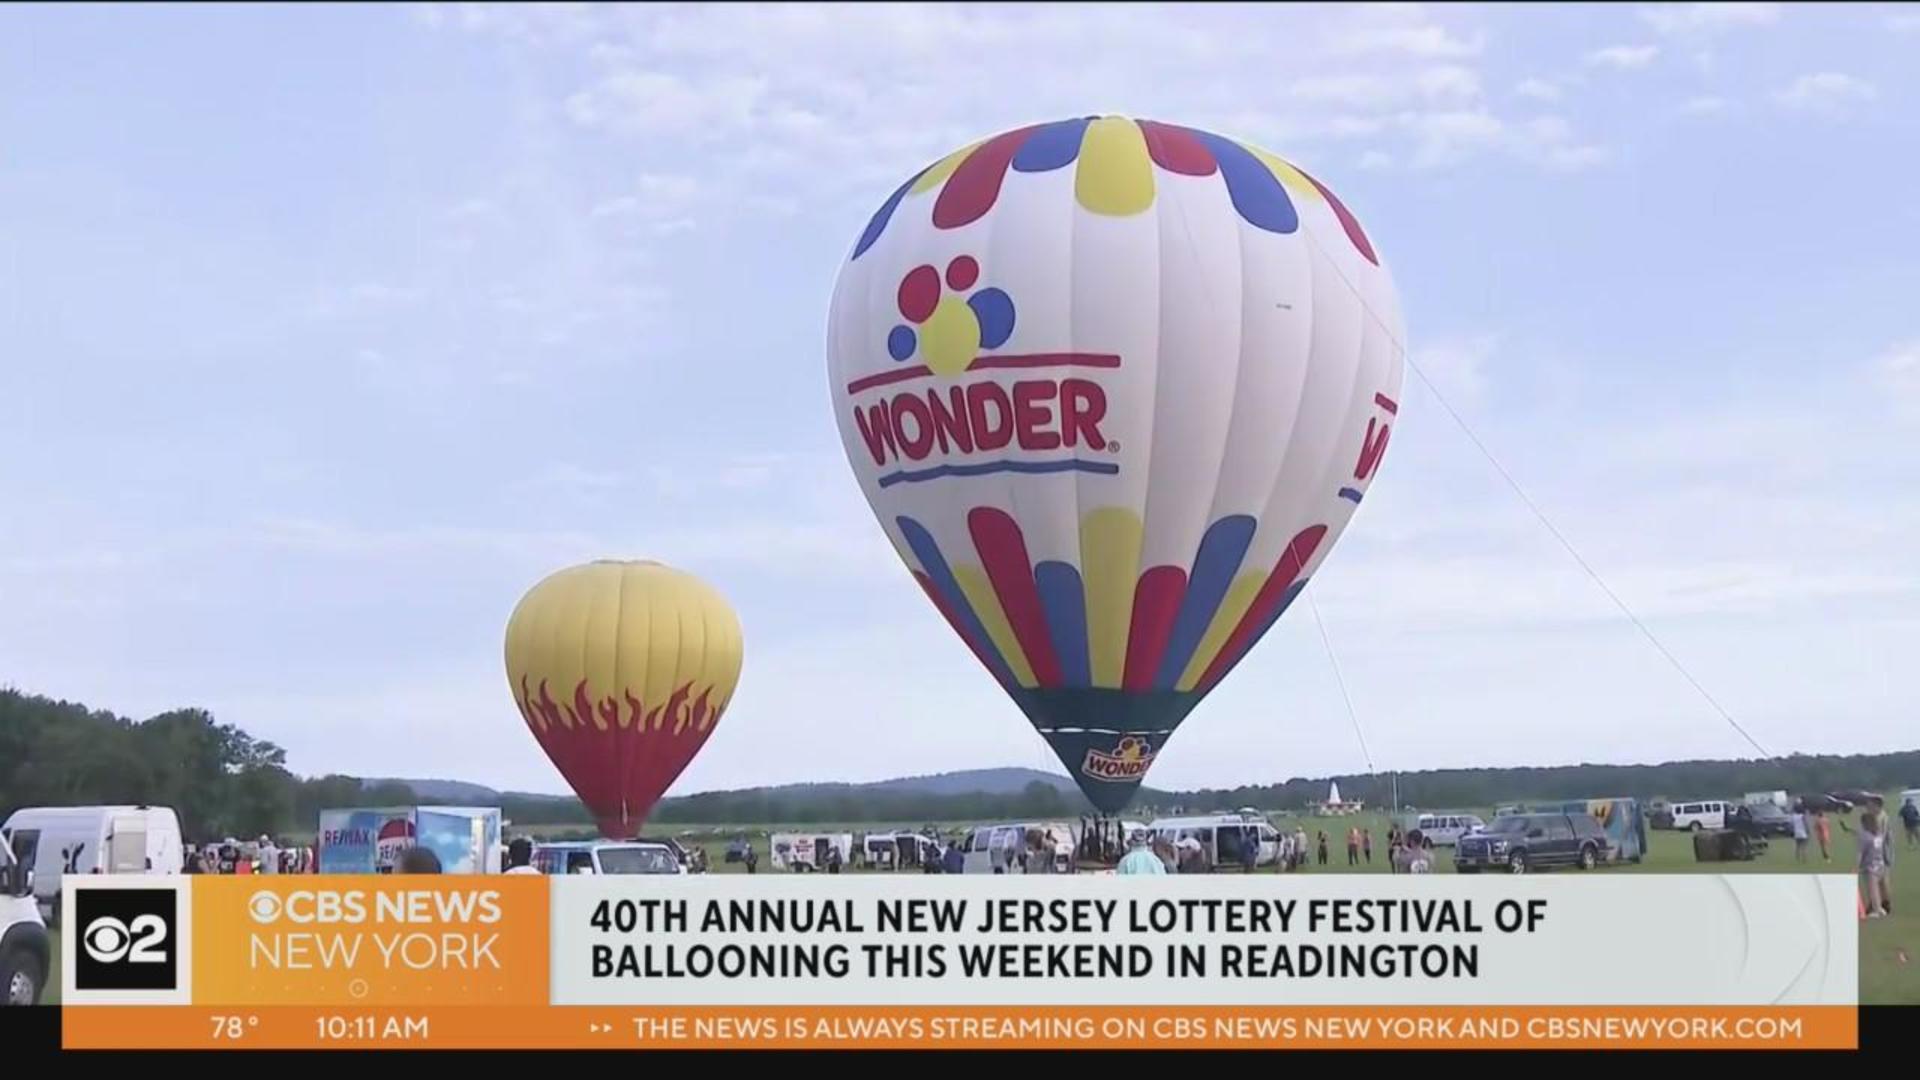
(233, 1027)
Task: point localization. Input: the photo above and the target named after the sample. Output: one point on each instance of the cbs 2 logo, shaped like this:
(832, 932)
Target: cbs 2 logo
(109, 940)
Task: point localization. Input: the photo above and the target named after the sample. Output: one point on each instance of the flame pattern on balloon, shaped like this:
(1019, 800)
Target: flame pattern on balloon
(621, 671)
(1114, 388)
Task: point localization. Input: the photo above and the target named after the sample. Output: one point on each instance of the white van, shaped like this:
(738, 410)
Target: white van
(1208, 831)
(1445, 830)
(1760, 798)
(607, 857)
(803, 852)
(1701, 814)
(1001, 849)
(25, 954)
(57, 840)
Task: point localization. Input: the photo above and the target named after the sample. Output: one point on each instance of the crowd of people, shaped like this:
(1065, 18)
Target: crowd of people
(261, 856)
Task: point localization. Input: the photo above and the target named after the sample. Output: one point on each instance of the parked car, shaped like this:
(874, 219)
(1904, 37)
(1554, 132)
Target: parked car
(26, 955)
(1765, 819)
(1519, 843)
(1445, 830)
(1701, 814)
(607, 857)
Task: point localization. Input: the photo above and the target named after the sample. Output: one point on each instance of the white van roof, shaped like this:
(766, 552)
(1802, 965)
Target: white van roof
(1203, 821)
(81, 813)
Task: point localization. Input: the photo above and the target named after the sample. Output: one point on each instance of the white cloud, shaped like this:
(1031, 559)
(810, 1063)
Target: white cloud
(1450, 82)
(1374, 160)
(1705, 105)
(1447, 137)
(1904, 23)
(1537, 89)
(1355, 90)
(1707, 18)
(1898, 372)
(1623, 57)
(793, 93)
(1458, 368)
(640, 102)
(1828, 92)
(472, 209)
(1550, 141)
(1428, 41)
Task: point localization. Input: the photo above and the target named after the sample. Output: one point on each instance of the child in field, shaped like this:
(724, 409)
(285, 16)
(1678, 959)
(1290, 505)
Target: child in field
(1800, 834)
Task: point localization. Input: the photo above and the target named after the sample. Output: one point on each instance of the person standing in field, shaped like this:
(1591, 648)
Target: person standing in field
(1366, 844)
(1140, 857)
(1353, 845)
(1821, 830)
(1412, 857)
(1910, 817)
(1873, 865)
(1323, 847)
(520, 857)
(1800, 833)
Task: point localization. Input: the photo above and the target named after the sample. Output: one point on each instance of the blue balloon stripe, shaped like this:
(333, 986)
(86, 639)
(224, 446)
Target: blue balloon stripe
(942, 577)
(1052, 147)
(1064, 599)
(982, 468)
(1350, 494)
(878, 224)
(1222, 550)
(1256, 193)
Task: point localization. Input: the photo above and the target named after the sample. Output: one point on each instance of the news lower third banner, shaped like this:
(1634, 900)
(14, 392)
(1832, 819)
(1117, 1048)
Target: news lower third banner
(1574, 961)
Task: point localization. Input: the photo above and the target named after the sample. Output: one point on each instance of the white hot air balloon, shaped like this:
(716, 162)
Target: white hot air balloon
(1113, 389)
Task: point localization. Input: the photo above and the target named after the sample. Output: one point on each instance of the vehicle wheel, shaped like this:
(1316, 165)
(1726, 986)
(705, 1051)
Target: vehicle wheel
(1693, 826)
(1517, 863)
(21, 979)
(1587, 858)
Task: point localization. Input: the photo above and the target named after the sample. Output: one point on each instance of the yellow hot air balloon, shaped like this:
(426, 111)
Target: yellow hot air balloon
(621, 670)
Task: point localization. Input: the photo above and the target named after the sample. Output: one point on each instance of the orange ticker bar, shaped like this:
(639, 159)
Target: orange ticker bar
(1572, 1027)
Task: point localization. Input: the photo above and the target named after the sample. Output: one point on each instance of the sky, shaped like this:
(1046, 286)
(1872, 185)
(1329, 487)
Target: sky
(326, 332)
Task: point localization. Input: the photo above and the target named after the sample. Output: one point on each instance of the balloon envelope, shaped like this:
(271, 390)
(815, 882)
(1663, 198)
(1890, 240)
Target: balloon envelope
(1113, 389)
(621, 670)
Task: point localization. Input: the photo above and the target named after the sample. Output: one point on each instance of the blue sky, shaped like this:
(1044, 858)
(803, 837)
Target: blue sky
(325, 332)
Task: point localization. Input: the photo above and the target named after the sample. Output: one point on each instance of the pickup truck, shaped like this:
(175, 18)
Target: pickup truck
(1520, 843)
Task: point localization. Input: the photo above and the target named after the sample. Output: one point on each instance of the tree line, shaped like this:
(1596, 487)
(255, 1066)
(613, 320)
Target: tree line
(224, 782)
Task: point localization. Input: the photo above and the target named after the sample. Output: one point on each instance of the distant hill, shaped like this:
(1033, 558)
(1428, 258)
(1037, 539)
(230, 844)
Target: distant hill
(972, 782)
(965, 782)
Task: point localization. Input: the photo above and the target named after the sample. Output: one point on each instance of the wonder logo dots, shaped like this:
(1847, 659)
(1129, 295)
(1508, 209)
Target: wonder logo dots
(945, 329)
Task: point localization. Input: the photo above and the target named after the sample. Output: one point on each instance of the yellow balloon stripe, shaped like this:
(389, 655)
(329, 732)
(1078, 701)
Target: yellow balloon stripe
(943, 168)
(1295, 181)
(986, 605)
(1115, 175)
(1233, 607)
(1110, 542)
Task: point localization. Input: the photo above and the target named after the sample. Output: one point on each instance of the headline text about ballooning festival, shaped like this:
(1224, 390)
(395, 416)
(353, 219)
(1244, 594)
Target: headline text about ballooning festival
(664, 938)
